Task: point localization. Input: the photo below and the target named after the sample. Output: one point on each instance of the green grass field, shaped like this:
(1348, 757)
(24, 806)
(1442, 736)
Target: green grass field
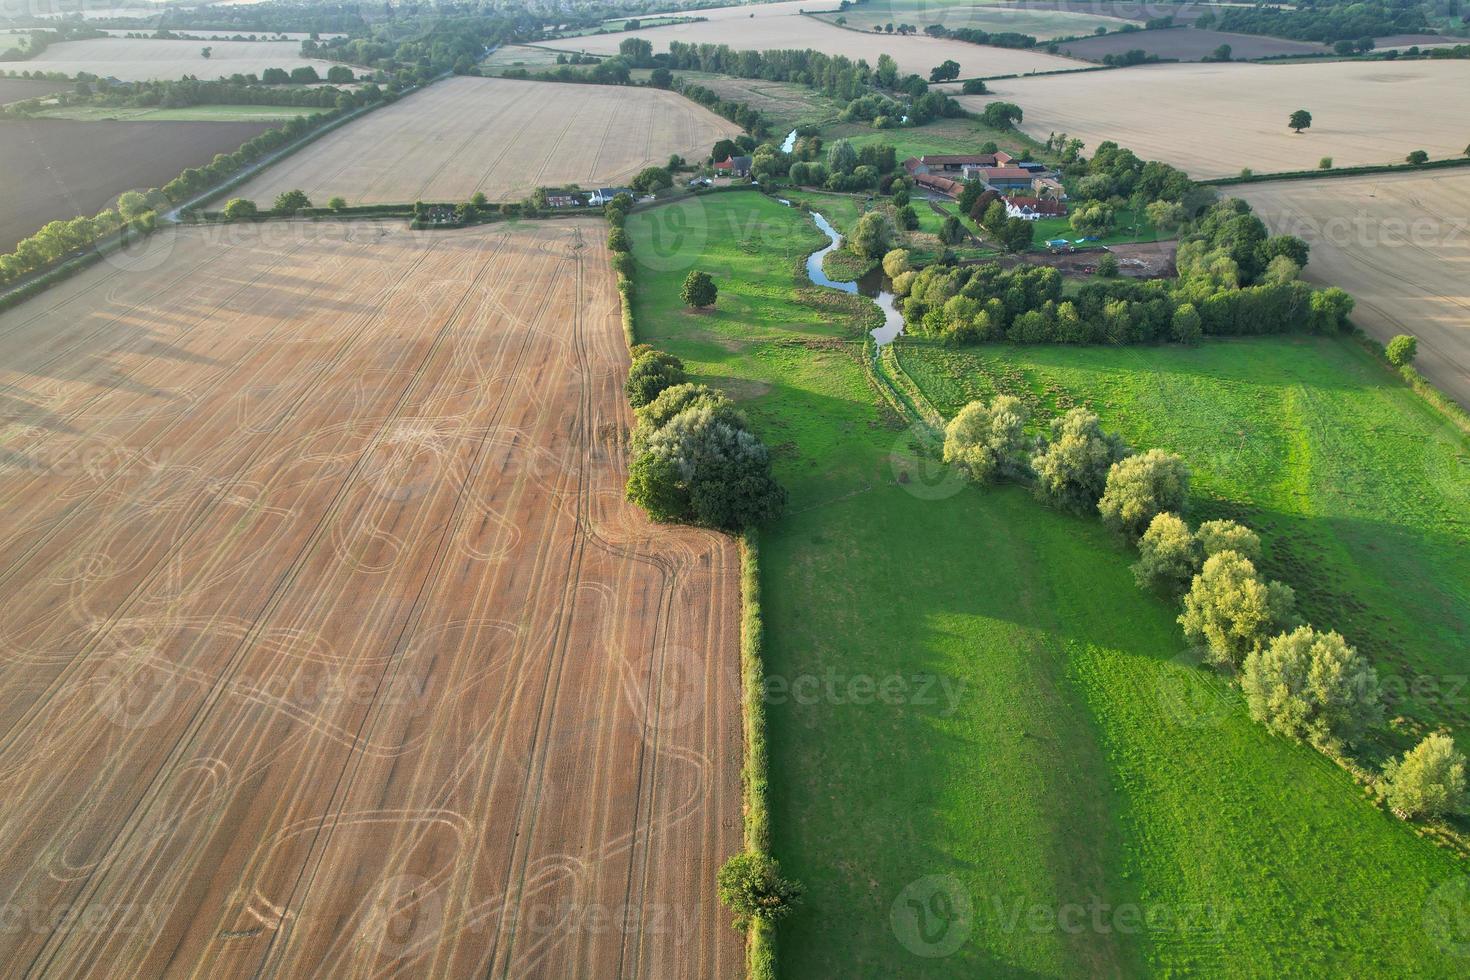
(198, 113)
(991, 754)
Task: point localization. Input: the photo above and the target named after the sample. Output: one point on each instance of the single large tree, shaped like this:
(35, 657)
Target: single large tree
(1141, 487)
(291, 202)
(986, 441)
(1072, 465)
(1312, 687)
(1429, 781)
(1233, 611)
(699, 290)
(1300, 120)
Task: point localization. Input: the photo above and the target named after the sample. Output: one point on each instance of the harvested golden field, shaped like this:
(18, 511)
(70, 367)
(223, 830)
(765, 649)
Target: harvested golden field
(331, 646)
(1214, 120)
(791, 30)
(1400, 244)
(499, 136)
(134, 60)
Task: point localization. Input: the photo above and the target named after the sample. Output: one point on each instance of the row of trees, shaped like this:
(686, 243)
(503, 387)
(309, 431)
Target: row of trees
(1300, 682)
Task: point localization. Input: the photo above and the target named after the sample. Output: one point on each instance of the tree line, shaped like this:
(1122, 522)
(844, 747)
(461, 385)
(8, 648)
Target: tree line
(1298, 680)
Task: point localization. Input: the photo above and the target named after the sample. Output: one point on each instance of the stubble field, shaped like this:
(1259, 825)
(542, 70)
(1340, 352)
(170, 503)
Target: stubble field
(1400, 244)
(1214, 120)
(915, 54)
(501, 137)
(135, 59)
(331, 647)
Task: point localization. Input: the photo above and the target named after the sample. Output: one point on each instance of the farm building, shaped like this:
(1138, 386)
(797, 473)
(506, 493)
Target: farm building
(1006, 180)
(604, 195)
(734, 167)
(1033, 208)
(954, 165)
(943, 185)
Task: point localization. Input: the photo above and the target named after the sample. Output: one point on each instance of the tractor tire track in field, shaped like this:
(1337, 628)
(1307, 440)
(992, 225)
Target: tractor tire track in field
(535, 771)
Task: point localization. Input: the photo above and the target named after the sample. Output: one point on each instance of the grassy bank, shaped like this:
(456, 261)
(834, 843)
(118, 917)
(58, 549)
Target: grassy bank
(989, 753)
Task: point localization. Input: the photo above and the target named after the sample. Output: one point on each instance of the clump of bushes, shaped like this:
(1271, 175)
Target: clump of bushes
(751, 885)
(1312, 687)
(651, 373)
(695, 461)
(988, 441)
(1073, 464)
(1429, 781)
(1402, 350)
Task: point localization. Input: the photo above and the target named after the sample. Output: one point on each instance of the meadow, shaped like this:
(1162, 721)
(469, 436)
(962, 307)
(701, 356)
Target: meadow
(995, 18)
(142, 59)
(991, 754)
(195, 113)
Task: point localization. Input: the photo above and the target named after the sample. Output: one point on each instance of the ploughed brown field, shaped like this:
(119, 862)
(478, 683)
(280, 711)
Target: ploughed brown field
(1214, 120)
(501, 137)
(17, 89)
(1189, 44)
(74, 168)
(1400, 243)
(331, 647)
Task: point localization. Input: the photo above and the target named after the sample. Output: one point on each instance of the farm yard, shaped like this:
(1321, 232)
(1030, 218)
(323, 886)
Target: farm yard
(331, 647)
(1402, 243)
(491, 135)
(1362, 113)
(915, 54)
(60, 157)
(133, 60)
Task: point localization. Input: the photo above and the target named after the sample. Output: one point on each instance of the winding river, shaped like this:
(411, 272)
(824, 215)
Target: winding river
(873, 285)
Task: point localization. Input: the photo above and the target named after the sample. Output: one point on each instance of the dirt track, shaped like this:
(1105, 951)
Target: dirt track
(330, 647)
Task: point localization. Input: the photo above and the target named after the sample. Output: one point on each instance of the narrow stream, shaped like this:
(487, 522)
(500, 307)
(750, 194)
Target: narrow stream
(874, 285)
(790, 143)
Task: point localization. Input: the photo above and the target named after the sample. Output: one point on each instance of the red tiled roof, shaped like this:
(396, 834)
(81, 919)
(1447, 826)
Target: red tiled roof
(1006, 173)
(942, 184)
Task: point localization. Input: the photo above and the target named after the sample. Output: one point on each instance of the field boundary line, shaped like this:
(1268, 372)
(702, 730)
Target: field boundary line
(760, 948)
(1365, 170)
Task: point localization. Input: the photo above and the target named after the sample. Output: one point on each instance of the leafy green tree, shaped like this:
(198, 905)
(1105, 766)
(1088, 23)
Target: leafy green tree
(1168, 555)
(239, 207)
(699, 290)
(873, 236)
(723, 150)
(304, 75)
(1429, 781)
(951, 231)
(896, 263)
(337, 203)
(841, 157)
(973, 86)
(704, 466)
(886, 74)
(340, 75)
(651, 179)
(986, 441)
(617, 241)
(908, 219)
(1001, 115)
(946, 72)
(1072, 465)
(661, 78)
(1417, 157)
(1141, 487)
(1107, 266)
(1233, 611)
(1312, 687)
(1300, 119)
(1216, 536)
(131, 205)
(1016, 234)
(291, 202)
(637, 51)
(1186, 324)
(651, 374)
(1401, 350)
(1324, 164)
(1092, 218)
(670, 402)
(751, 886)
